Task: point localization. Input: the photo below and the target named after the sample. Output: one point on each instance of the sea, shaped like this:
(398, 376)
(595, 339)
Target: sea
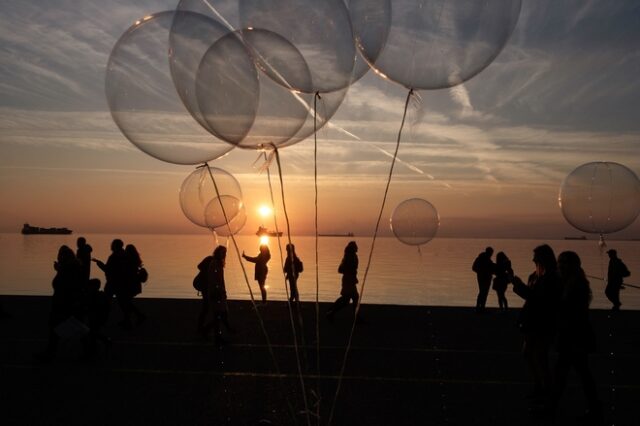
(436, 274)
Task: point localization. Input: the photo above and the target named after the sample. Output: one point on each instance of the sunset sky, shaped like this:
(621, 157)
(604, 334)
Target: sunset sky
(490, 154)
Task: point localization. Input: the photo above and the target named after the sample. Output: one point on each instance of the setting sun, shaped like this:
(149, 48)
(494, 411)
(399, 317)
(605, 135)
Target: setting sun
(264, 210)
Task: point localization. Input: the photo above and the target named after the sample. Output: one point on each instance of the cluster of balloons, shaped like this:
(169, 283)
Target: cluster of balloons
(188, 85)
(600, 197)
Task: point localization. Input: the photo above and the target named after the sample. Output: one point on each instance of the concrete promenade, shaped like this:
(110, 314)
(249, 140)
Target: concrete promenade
(409, 365)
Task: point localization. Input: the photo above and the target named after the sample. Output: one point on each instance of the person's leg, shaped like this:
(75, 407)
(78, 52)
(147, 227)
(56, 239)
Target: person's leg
(561, 371)
(581, 364)
(340, 303)
(202, 317)
(263, 291)
(293, 289)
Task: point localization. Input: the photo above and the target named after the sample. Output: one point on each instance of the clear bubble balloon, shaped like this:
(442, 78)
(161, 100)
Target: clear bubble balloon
(321, 30)
(235, 225)
(227, 13)
(415, 221)
(197, 191)
(370, 32)
(600, 197)
(143, 100)
(435, 44)
(221, 210)
(192, 34)
(239, 102)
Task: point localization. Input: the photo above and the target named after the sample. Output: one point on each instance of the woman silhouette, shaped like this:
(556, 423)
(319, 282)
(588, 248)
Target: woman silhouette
(262, 269)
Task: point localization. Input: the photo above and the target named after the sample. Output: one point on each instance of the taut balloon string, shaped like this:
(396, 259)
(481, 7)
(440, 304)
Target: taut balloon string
(373, 243)
(253, 301)
(287, 290)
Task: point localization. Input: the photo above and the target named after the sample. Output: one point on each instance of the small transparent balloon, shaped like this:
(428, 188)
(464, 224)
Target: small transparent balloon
(143, 100)
(239, 102)
(415, 221)
(197, 191)
(235, 225)
(221, 210)
(321, 30)
(435, 44)
(600, 197)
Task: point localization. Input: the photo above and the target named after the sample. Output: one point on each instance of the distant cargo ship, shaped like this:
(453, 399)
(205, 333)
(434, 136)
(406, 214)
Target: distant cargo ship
(582, 237)
(28, 230)
(348, 234)
(262, 231)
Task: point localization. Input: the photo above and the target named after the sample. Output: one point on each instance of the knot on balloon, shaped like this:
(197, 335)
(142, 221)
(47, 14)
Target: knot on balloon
(267, 154)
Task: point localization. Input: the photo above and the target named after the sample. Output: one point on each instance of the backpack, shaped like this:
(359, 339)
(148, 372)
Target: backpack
(199, 282)
(298, 265)
(476, 264)
(143, 275)
(624, 271)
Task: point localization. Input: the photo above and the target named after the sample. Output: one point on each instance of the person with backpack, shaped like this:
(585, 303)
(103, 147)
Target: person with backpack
(616, 273)
(484, 268)
(292, 268)
(210, 283)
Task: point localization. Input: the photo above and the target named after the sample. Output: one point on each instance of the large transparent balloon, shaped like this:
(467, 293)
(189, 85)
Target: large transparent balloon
(435, 44)
(600, 197)
(192, 34)
(321, 30)
(370, 32)
(143, 100)
(239, 102)
(197, 191)
(227, 13)
(415, 221)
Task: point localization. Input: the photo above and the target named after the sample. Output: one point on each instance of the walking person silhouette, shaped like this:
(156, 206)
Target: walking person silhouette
(349, 270)
(261, 268)
(83, 254)
(616, 272)
(292, 268)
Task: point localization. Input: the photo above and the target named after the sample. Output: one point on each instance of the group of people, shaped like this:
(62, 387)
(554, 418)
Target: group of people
(77, 301)
(556, 311)
(213, 312)
(502, 274)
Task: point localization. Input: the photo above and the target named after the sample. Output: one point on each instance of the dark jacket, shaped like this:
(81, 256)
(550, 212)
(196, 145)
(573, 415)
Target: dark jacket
(575, 334)
(261, 261)
(349, 270)
(538, 314)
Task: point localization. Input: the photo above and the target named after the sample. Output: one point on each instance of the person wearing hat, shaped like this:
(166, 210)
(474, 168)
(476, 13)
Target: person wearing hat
(616, 272)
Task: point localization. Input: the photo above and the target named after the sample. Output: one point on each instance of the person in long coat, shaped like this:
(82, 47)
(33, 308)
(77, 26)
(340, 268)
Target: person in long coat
(349, 270)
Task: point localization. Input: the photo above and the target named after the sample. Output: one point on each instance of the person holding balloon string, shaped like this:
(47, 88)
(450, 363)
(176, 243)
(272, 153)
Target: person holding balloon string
(616, 272)
(261, 268)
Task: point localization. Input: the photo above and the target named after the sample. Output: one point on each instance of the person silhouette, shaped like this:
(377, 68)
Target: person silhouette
(503, 276)
(261, 269)
(98, 314)
(67, 300)
(292, 268)
(575, 337)
(214, 295)
(537, 320)
(83, 254)
(131, 287)
(484, 268)
(349, 270)
(115, 271)
(616, 272)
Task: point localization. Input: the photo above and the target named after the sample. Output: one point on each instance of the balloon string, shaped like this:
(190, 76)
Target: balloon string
(366, 272)
(315, 186)
(253, 301)
(291, 320)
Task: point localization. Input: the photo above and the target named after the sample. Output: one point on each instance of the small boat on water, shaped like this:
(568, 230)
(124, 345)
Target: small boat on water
(348, 234)
(31, 230)
(262, 231)
(581, 238)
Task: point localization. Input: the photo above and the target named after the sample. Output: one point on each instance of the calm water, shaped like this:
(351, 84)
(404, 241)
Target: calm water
(438, 275)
